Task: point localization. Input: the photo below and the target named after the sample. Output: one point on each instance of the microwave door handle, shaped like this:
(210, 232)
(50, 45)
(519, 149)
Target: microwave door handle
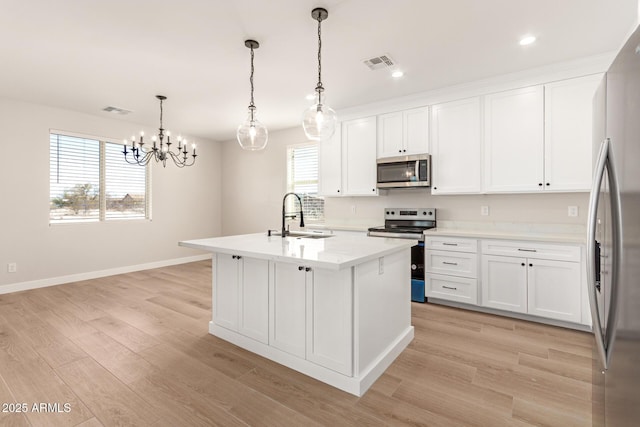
(418, 170)
(591, 250)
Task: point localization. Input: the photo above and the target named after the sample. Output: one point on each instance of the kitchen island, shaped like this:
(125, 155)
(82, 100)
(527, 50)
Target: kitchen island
(336, 308)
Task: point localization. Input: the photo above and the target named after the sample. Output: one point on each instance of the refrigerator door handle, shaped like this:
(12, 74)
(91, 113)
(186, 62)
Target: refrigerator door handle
(616, 252)
(594, 199)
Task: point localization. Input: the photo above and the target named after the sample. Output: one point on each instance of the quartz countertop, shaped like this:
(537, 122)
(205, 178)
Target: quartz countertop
(335, 252)
(512, 231)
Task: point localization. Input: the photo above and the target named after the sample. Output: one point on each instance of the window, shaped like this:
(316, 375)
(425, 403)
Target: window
(91, 181)
(302, 179)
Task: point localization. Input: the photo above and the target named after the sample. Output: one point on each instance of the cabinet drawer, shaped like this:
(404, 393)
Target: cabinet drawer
(531, 250)
(451, 288)
(451, 244)
(454, 263)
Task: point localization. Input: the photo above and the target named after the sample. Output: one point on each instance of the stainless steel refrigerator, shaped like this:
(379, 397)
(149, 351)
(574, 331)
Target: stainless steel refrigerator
(613, 246)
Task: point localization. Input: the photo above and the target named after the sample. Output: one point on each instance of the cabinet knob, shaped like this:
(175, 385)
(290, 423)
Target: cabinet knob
(523, 264)
(548, 184)
(300, 268)
(399, 151)
(307, 269)
(540, 184)
(435, 188)
(404, 151)
(238, 257)
(338, 190)
(233, 257)
(530, 265)
(373, 189)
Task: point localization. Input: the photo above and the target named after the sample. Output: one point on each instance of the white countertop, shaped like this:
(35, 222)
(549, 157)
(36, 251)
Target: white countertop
(335, 252)
(512, 231)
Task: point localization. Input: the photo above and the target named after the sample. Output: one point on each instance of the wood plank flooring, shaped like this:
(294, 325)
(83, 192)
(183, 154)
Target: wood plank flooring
(133, 350)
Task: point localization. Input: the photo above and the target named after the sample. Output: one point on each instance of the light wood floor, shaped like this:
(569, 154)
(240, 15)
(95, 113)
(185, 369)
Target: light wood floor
(134, 350)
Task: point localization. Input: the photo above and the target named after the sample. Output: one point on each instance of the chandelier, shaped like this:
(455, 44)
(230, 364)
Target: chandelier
(252, 135)
(319, 121)
(161, 150)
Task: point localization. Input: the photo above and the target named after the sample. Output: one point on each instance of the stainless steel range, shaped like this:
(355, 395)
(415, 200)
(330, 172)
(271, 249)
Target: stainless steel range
(409, 223)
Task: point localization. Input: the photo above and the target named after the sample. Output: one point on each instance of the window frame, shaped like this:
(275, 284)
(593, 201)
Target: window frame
(102, 199)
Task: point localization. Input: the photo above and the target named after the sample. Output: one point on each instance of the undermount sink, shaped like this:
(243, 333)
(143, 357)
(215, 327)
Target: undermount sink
(304, 235)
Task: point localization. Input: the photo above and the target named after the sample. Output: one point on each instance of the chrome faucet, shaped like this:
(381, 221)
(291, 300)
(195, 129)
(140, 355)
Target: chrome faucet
(284, 214)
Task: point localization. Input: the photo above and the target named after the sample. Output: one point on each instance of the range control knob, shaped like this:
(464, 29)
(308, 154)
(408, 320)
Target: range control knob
(430, 213)
(424, 213)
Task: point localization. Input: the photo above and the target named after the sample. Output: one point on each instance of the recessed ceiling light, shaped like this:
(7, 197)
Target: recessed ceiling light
(397, 74)
(526, 40)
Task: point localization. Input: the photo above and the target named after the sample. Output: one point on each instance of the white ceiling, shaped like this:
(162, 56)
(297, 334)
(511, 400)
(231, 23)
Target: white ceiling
(84, 55)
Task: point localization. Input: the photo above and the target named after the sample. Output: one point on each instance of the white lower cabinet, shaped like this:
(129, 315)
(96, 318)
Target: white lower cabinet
(554, 289)
(288, 315)
(240, 297)
(504, 283)
(311, 315)
(451, 269)
(546, 282)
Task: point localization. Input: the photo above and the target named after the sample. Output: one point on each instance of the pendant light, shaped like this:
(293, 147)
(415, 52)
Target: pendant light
(319, 121)
(251, 134)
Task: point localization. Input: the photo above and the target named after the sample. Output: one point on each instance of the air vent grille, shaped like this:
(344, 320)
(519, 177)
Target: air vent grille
(116, 110)
(379, 62)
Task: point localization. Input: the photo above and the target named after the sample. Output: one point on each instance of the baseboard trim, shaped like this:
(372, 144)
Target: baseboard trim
(53, 281)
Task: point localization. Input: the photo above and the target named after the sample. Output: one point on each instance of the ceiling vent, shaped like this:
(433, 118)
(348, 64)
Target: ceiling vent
(379, 62)
(116, 110)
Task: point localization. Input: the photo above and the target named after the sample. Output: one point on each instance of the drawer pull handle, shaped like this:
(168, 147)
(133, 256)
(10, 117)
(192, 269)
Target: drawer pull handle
(449, 287)
(527, 250)
(449, 263)
(449, 244)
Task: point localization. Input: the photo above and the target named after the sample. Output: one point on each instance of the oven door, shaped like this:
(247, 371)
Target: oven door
(408, 171)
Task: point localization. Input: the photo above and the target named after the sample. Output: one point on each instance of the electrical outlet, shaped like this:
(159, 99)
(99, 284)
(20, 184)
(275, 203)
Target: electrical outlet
(381, 265)
(572, 211)
(12, 267)
(484, 210)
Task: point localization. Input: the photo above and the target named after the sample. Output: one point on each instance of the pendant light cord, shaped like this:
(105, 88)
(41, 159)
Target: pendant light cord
(319, 88)
(251, 80)
(161, 114)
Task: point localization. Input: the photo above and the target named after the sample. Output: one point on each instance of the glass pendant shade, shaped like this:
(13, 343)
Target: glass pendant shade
(252, 135)
(319, 121)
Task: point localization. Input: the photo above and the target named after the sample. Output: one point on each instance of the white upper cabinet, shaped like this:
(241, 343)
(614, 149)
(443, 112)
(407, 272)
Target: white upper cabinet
(568, 115)
(456, 147)
(330, 165)
(359, 157)
(403, 133)
(514, 132)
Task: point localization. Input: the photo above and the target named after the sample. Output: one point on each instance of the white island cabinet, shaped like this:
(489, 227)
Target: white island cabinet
(335, 308)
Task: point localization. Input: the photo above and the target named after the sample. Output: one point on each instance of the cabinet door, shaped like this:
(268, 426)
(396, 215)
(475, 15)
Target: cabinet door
(514, 131)
(254, 299)
(389, 138)
(504, 283)
(330, 165)
(568, 128)
(416, 131)
(456, 151)
(554, 289)
(225, 291)
(288, 309)
(359, 157)
(329, 319)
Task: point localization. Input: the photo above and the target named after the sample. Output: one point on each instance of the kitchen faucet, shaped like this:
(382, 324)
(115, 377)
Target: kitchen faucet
(284, 214)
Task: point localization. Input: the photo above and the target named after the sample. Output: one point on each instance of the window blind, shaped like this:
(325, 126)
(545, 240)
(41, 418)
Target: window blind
(91, 181)
(125, 185)
(74, 190)
(302, 179)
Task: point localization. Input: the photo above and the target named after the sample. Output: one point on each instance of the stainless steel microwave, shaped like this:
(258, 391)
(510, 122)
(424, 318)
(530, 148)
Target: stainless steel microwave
(404, 171)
